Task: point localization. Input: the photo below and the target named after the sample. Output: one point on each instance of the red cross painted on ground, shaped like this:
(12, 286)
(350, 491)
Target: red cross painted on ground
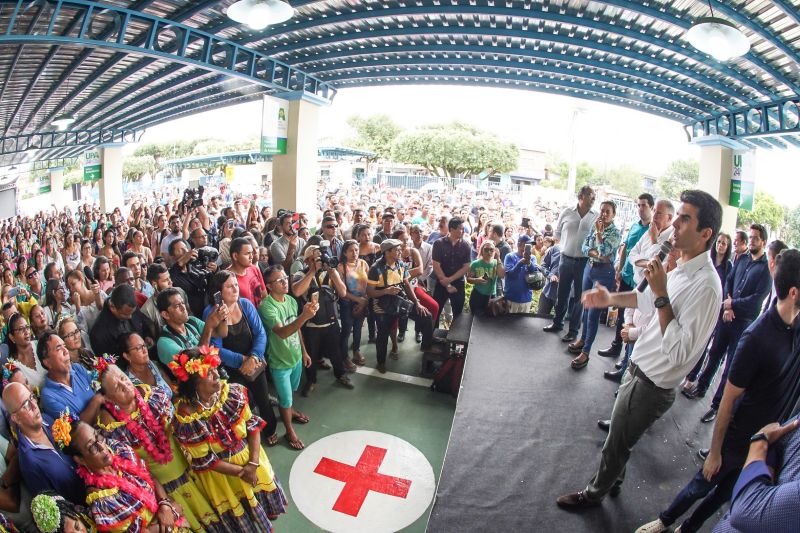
(360, 479)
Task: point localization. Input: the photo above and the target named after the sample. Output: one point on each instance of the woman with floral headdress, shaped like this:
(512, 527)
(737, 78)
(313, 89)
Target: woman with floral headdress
(217, 430)
(141, 417)
(54, 514)
(120, 493)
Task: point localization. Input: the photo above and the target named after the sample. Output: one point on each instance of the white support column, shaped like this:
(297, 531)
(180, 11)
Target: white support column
(295, 174)
(111, 183)
(716, 168)
(58, 196)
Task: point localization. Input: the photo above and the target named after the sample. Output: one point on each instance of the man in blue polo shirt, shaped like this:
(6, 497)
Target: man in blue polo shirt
(68, 384)
(41, 463)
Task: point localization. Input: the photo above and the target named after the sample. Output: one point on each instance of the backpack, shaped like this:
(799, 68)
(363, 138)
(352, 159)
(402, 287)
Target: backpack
(448, 378)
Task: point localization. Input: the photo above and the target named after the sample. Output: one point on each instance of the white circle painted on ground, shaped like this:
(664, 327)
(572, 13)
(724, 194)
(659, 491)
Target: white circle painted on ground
(362, 481)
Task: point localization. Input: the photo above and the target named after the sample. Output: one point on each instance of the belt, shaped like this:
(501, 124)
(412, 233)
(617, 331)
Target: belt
(317, 326)
(637, 372)
(582, 258)
(599, 263)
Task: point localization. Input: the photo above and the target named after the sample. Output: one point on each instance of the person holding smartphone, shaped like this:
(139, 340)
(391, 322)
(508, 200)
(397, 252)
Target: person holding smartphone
(516, 266)
(483, 275)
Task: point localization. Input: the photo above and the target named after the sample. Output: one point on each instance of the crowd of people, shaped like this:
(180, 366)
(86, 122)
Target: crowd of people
(144, 352)
(689, 297)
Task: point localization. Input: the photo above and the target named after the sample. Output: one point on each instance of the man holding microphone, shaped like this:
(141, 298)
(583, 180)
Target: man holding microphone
(685, 304)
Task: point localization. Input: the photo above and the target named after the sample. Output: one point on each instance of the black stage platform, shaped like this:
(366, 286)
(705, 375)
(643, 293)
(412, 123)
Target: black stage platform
(525, 432)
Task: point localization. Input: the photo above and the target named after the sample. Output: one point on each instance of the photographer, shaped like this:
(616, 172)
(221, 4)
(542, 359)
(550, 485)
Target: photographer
(330, 232)
(190, 271)
(251, 282)
(285, 250)
(319, 283)
(392, 297)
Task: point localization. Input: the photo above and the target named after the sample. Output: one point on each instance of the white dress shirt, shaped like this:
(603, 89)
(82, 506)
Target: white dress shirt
(646, 249)
(696, 296)
(571, 230)
(426, 252)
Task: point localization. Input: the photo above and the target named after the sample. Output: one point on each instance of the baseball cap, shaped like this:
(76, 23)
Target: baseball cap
(388, 244)
(310, 250)
(523, 239)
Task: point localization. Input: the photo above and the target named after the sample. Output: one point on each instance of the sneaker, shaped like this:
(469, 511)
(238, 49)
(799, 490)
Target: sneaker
(401, 336)
(656, 526)
(345, 382)
(418, 337)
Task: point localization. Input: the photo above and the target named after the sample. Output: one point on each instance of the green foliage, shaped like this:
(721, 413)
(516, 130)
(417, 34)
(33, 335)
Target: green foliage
(134, 167)
(585, 174)
(792, 227)
(219, 146)
(765, 211)
(455, 150)
(624, 179)
(680, 175)
(167, 150)
(375, 133)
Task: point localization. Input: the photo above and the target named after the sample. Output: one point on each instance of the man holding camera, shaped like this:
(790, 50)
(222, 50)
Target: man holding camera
(319, 283)
(251, 282)
(393, 297)
(284, 251)
(330, 232)
(190, 272)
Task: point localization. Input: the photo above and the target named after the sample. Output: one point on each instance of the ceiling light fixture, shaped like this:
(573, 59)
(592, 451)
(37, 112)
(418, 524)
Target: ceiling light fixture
(63, 121)
(258, 14)
(717, 37)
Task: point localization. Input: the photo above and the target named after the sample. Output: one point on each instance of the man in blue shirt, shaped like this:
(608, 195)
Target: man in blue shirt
(624, 269)
(747, 286)
(68, 384)
(517, 266)
(42, 464)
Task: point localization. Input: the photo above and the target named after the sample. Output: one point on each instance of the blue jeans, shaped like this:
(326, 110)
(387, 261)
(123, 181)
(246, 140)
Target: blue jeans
(726, 338)
(570, 279)
(349, 324)
(627, 358)
(714, 494)
(602, 273)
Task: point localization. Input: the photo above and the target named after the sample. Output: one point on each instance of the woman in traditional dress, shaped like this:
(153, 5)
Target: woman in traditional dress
(141, 417)
(216, 428)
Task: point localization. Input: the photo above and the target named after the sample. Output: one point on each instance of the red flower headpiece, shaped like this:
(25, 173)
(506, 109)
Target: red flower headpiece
(102, 362)
(182, 365)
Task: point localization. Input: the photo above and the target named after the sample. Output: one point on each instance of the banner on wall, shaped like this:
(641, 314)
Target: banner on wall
(743, 183)
(92, 168)
(274, 125)
(41, 182)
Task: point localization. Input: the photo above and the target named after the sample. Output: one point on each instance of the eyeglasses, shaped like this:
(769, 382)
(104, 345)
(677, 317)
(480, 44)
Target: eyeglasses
(32, 274)
(138, 348)
(331, 226)
(27, 405)
(22, 329)
(98, 445)
(72, 334)
(283, 279)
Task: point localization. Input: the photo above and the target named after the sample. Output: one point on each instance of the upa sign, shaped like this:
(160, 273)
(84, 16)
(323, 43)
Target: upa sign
(362, 481)
(92, 168)
(743, 184)
(274, 126)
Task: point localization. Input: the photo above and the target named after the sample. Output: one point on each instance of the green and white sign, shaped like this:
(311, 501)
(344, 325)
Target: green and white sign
(274, 126)
(41, 182)
(92, 168)
(743, 184)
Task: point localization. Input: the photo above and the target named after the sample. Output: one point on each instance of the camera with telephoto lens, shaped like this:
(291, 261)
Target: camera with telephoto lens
(192, 198)
(326, 256)
(205, 255)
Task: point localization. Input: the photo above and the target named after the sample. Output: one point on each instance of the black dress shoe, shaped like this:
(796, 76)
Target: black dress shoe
(576, 501)
(615, 490)
(552, 328)
(619, 364)
(613, 351)
(604, 425)
(569, 337)
(709, 416)
(401, 336)
(694, 392)
(614, 375)
(703, 453)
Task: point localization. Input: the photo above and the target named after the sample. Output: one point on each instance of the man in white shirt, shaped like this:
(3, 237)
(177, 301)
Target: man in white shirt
(573, 226)
(649, 244)
(685, 306)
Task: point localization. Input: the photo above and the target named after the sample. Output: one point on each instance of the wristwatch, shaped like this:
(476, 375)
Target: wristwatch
(759, 436)
(661, 301)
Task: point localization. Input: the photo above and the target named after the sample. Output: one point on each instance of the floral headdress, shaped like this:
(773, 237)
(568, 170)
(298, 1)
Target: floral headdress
(46, 513)
(182, 365)
(101, 364)
(8, 371)
(62, 429)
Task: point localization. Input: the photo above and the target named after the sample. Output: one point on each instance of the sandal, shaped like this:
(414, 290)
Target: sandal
(577, 364)
(300, 418)
(296, 444)
(272, 440)
(575, 347)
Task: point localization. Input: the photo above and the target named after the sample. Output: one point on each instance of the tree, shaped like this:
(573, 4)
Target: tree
(134, 167)
(455, 150)
(765, 211)
(376, 134)
(219, 146)
(167, 150)
(680, 175)
(792, 227)
(624, 179)
(586, 174)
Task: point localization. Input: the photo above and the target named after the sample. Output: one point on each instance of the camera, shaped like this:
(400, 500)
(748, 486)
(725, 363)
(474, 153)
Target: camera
(205, 255)
(535, 280)
(326, 256)
(192, 198)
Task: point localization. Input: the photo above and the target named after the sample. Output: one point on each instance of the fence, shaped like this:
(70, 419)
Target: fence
(407, 181)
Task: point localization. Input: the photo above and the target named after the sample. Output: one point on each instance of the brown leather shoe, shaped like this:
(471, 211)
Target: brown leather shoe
(350, 366)
(575, 347)
(580, 362)
(576, 501)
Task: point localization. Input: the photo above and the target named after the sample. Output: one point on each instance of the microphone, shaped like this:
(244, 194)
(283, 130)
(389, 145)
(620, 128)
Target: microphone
(666, 248)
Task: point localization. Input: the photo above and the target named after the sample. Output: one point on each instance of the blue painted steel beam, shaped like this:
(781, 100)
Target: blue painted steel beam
(179, 16)
(789, 10)
(236, 61)
(18, 53)
(554, 15)
(573, 74)
(568, 87)
(776, 118)
(64, 139)
(375, 54)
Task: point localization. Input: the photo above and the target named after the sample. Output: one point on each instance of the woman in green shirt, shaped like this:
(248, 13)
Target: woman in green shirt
(483, 275)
